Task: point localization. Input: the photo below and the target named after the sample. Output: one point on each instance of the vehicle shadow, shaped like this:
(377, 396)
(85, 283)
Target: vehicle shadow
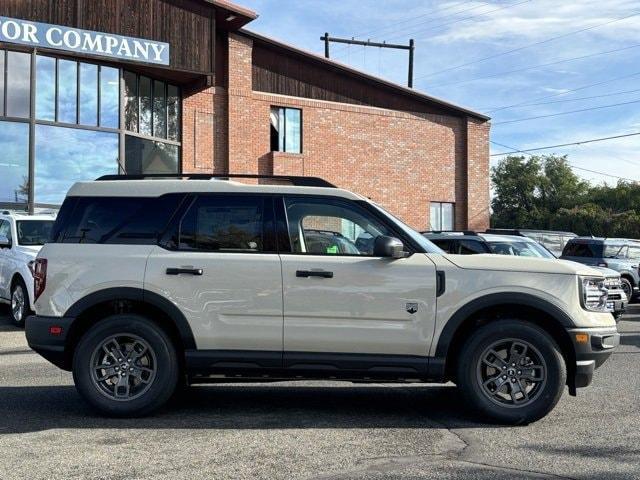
(37, 408)
(630, 338)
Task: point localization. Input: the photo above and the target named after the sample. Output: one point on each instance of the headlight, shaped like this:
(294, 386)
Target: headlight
(594, 294)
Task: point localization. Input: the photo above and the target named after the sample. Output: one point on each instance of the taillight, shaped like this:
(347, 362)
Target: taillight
(39, 277)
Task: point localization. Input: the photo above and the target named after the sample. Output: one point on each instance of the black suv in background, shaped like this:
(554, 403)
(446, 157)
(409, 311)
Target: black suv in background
(551, 240)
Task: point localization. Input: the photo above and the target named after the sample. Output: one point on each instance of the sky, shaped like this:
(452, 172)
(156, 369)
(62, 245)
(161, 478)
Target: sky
(560, 55)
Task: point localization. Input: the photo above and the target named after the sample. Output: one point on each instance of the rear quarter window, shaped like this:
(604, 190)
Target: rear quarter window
(116, 220)
(585, 250)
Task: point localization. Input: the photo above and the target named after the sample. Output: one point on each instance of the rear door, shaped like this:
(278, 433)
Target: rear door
(218, 264)
(339, 307)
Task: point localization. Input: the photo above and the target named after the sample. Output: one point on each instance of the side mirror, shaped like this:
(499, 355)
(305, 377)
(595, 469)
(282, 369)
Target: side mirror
(391, 247)
(4, 242)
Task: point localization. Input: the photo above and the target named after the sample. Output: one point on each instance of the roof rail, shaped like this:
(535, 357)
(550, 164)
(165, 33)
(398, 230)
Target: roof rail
(291, 180)
(445, 232)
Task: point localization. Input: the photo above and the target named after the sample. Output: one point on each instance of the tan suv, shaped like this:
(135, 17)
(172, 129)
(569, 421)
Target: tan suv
(150, 282)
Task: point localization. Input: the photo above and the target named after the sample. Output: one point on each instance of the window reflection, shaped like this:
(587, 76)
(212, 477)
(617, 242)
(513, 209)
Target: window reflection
(109, 95)
(67, 91)
(88, 94)
(145, 106)
(173, 113)
(67, 155)
(18, 84)
(14, 162)
(159, 110)
(131, 101)
(45, 88)
(2, 57)
(147, 156)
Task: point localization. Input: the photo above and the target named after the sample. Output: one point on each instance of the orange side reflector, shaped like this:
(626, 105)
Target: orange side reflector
(582, 338)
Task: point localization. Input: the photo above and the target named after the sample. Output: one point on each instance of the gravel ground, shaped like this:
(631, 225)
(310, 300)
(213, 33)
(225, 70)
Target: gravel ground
(313, 430)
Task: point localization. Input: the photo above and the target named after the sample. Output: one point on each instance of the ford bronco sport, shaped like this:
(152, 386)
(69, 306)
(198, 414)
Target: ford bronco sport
(150, 283)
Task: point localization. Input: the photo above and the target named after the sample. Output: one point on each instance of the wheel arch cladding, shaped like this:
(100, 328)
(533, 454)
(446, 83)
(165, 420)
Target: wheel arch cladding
(98, 305)
(503, 306)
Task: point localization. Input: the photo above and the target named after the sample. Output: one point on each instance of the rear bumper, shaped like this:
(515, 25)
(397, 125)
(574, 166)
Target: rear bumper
(592, 346)
(47, 342)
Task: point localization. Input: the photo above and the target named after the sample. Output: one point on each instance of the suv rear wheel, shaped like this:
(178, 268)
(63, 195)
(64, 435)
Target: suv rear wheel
(125, 366)
(512, 371)
(19, 303)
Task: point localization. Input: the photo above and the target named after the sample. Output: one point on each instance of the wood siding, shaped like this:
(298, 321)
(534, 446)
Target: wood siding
(187, 25)
(282, 72)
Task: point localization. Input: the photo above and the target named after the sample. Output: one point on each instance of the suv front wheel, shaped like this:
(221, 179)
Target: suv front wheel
(19, 303)
(512, 371)
(125, 366)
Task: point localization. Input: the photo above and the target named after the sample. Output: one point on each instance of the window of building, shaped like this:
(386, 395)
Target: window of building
(76, 127)
(441, 216)
(222, 224)
(286, 130)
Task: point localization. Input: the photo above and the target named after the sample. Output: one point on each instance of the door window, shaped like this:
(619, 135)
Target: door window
(222, 223)
(331, 227)
(5, 230)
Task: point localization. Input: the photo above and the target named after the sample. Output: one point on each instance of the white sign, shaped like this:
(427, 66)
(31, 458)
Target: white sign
(44, 35)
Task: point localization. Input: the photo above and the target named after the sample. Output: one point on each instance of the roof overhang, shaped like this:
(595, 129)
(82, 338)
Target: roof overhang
(230, 16)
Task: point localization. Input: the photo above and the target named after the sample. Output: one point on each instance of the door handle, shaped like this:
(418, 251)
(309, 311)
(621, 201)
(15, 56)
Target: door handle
(188, 271)
(314, 273)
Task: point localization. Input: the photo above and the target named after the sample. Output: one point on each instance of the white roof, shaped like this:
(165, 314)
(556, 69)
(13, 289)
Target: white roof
(156, 187)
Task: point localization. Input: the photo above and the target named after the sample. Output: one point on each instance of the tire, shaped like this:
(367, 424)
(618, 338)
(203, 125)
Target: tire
(506, 403)
(20, 308)
(627, 286)
(150, 372)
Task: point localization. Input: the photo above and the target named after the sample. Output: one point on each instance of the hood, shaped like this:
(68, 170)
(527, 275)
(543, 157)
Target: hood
(29, 250)
(487, 261)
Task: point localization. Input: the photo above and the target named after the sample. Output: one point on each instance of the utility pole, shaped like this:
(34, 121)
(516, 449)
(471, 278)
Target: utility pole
(368, 43)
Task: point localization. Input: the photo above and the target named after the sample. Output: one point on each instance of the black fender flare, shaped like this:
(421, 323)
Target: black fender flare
(437, 364)
(138, 295)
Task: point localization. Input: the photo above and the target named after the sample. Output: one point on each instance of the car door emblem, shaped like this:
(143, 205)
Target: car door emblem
(412, 308)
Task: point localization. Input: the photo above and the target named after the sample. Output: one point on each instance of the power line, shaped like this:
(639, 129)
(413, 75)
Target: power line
(533, 67)
(551, 39)
(566, 113)
(504, 7)
(569, 163)
(565, 92)
(581, 142)
(483, 4)
(623, 92)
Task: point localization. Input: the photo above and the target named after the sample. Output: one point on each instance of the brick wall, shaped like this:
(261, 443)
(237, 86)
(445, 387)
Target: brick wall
(401, 160)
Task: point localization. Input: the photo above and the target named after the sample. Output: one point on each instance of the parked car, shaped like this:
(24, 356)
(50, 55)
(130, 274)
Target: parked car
(551, 240)
(21, 237)
(147, 282)
(619, 254)
(469, 243)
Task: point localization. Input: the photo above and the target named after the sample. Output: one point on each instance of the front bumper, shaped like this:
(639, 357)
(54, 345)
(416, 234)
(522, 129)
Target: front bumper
(48, 336)
(592, 347)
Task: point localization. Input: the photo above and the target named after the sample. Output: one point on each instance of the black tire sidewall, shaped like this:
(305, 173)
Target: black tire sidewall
(167, 371)
(536, 336)
(27, 307)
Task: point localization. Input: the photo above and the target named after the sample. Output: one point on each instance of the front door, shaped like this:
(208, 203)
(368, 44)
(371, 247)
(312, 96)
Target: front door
(218, 264)
(339, 299)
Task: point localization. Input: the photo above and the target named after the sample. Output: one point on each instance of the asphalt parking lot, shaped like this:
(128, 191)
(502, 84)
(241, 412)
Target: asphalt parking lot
(313, 430)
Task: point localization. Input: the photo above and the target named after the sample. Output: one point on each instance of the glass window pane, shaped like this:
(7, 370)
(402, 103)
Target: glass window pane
(131, 101)
(145, 106)
(435, 220)
(109, 97)
(88, 94)
(223, 224)
(159, 110)
(447, 216)
(45, 88)
(67, 155)
(293, 131)
(173, 113)
(18, 84)
(147, 156)
(14, 162)
(2, 56)
(67, 91)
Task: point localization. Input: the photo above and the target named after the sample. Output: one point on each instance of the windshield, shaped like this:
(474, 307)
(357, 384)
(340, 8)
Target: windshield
(519, 248)
(417, 237)
(33, 232)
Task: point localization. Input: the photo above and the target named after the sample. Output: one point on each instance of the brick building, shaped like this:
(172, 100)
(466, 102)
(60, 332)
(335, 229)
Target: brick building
(153, 86)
